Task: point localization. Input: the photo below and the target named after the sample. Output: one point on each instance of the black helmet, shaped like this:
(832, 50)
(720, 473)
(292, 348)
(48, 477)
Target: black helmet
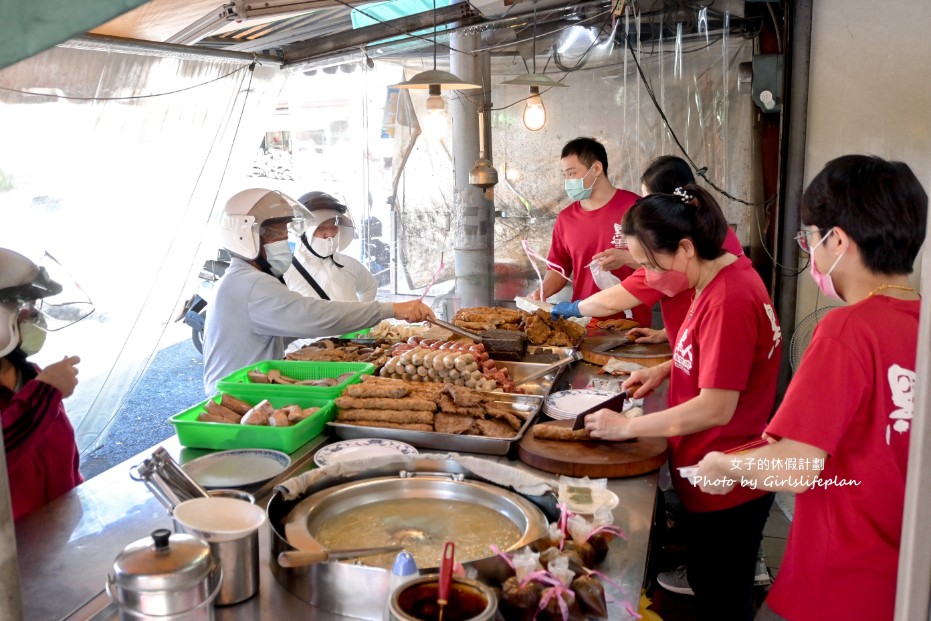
(321, 200)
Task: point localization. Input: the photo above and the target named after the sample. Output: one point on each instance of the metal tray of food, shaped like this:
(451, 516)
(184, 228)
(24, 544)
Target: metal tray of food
(544, 354)
(523, 404)
(541, 386)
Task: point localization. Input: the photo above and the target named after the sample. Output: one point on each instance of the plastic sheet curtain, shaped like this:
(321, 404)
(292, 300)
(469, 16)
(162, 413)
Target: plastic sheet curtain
(695, 83)
(113, 161)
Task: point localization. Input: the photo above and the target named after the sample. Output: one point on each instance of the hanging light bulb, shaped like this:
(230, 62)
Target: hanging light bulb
(435, 123)
(534, 112)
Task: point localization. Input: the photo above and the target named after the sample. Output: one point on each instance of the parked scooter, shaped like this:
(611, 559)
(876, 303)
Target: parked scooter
(194, 311)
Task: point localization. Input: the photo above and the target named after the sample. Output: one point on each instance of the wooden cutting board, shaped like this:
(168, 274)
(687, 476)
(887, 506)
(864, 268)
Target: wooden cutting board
(647, 354)
(595, 459)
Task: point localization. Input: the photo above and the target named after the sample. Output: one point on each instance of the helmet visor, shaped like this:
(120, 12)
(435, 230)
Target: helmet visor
(52, 300)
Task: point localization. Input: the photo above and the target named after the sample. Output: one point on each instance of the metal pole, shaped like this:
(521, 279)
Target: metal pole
(798, 63)
(11, 606)
(473, 214)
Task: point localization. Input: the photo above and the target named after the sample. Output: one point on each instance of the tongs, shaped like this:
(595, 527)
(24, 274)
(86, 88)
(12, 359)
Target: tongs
(547, 369)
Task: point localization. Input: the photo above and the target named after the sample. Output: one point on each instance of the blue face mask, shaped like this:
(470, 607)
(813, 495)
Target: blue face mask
(576, 189)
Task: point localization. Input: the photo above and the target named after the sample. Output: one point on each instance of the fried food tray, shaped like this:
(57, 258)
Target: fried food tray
(523, 404)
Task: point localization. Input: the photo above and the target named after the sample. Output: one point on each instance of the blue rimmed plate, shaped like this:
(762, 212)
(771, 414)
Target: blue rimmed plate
(361, 448)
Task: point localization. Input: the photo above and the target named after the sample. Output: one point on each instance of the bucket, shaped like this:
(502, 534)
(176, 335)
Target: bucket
(231, 526)
(469, 600)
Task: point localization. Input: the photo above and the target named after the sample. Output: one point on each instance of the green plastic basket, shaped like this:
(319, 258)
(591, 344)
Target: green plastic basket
(237, 383)
(195, 433)
(356, 334)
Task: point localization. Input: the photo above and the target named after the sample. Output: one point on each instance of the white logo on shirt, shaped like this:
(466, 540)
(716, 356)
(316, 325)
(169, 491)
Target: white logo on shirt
(618, 241)
(902, 385)
(777, 331)
(682, 357)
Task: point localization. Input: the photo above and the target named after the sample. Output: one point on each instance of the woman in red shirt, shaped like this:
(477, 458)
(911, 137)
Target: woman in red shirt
(840, 437)
(722, 386)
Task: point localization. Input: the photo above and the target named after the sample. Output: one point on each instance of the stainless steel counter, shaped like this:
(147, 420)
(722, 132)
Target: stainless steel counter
(66, 548)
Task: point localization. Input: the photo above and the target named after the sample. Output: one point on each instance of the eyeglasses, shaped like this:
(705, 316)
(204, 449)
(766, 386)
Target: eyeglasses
(803, 238)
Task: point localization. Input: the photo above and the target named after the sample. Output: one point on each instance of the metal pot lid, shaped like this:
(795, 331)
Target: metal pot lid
(163, 562)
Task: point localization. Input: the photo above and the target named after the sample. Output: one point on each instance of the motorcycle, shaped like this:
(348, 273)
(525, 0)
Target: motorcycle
(194, 311)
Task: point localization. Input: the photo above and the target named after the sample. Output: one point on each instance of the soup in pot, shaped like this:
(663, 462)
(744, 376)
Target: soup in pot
(422, 526)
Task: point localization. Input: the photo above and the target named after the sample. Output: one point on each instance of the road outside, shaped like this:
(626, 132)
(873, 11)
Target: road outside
(173, 382)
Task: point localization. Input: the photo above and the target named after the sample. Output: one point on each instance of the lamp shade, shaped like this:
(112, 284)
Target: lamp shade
(444, 79)
(535, 79)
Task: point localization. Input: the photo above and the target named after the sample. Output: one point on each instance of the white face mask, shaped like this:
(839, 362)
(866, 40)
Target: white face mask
(278, 254)
(324, 246)
(32, 338)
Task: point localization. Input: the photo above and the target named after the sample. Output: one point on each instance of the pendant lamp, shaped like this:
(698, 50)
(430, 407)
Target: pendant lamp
(436, 79)
(534, 116)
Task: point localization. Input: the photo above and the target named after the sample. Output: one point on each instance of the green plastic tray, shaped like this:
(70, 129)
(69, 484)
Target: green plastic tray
(237, 383)
(195, 433)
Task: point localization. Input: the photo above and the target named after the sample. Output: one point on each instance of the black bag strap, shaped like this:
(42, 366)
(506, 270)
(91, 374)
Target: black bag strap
(310, 279)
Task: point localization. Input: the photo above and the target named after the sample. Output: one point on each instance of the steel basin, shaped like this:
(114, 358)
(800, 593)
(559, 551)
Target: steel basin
(360, 591)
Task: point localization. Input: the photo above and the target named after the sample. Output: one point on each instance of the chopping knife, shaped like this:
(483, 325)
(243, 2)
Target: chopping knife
(614, 403)
(612, 344)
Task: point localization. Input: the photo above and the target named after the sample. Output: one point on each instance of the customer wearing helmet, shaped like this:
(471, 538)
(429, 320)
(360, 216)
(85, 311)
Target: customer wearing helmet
(41, 455)
(254, 313)
(317, 269)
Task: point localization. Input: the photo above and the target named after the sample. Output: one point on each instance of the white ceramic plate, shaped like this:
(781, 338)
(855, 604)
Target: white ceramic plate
(361, 448)
(571, 402)
(237, 467)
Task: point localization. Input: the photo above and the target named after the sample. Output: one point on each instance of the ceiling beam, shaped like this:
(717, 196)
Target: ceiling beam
(461, 13)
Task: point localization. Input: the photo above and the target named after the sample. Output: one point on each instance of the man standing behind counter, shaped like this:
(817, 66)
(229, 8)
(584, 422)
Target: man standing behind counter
(589, 225)
(254, 313)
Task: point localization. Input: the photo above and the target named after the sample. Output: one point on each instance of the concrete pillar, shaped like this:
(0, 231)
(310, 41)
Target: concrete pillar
(473, 214)
(10, 598)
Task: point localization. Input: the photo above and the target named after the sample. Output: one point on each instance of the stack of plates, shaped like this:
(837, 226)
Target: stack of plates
(570, 403)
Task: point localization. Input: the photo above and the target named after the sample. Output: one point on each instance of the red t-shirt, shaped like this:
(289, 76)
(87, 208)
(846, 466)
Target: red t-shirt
(675, 308)
(578, 235)
(852, 397)
(732, 341)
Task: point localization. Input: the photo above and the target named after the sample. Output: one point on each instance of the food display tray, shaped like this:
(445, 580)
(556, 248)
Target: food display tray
(238, 382)
(195, 433)
(529, 404)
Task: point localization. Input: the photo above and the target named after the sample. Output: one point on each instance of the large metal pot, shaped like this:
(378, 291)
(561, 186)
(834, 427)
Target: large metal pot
(333, 586)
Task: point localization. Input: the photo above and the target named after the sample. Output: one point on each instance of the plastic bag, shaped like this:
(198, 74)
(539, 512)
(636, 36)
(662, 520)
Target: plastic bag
(603, 278)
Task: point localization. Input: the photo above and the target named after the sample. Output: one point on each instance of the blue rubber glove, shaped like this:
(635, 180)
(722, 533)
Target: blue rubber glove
(566, 309)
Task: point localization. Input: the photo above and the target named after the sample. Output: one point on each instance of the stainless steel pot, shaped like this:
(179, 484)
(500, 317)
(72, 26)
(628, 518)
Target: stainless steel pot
(333, 586)
(166, 578)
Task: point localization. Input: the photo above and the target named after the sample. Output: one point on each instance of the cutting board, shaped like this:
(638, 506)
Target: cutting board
(647, 354)
(595, 459)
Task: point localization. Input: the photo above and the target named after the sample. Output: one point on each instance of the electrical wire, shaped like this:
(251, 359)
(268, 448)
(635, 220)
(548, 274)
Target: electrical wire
(180, 90)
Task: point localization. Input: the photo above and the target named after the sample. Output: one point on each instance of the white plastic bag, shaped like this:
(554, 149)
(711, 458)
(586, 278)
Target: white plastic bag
(603, 278)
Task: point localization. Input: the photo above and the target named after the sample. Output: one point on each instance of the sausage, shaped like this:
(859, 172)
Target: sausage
(228, 415)
(237, 405)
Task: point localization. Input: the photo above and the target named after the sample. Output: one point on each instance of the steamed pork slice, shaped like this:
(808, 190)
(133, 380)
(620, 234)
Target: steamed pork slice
(279, 419)
(451, 423)
(217, 409)
(387, 416)
(494, 428)
(259, 414)
(380, 403)
(237, 405)
(296, 414)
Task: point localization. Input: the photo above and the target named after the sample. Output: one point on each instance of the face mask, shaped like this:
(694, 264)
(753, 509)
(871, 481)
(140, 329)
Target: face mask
(824, 281)
(576, 189)
(670, 282)
(324, 246)
(278, 254)
(32, 338)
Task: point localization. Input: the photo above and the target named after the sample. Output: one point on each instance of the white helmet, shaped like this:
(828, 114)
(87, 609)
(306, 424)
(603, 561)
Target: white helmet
(246, 212)
(21, 282)
(324, 207)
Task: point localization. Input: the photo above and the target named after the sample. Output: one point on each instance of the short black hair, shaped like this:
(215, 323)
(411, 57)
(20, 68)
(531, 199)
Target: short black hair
(880, 204)
(666, 173)
(661, 221)
(588, 150)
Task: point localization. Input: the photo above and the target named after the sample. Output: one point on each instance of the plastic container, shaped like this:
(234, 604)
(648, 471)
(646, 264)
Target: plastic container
(195, 433)
(238, 384)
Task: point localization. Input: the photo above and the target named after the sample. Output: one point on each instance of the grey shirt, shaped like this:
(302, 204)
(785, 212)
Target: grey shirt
(253, 316)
